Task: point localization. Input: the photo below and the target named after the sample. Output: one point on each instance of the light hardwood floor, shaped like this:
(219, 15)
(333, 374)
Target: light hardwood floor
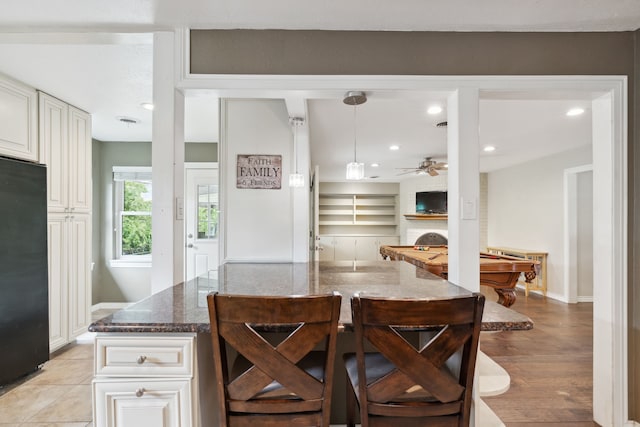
(550, 366)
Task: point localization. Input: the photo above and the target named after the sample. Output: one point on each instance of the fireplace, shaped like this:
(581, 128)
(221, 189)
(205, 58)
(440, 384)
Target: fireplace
(420, 236)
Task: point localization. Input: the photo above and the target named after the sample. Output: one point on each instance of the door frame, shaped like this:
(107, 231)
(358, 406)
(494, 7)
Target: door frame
(610, 154)
(197, 166)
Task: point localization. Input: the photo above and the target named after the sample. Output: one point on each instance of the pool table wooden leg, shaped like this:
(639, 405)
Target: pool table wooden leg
(506, 296)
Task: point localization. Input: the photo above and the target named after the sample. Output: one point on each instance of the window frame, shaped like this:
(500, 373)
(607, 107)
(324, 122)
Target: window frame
(119, 213)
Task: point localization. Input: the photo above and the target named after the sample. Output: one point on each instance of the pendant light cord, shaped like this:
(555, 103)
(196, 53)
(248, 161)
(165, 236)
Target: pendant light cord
(355, 133)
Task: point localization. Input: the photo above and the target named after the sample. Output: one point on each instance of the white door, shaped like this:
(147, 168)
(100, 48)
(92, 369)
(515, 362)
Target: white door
(201, 222)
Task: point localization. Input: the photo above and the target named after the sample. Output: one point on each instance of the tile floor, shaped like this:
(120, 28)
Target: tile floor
(59, 395)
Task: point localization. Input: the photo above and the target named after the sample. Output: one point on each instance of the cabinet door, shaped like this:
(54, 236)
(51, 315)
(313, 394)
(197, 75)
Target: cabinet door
(143, 403)
(345, 248)
(326, 249)
(366, 248)
(58, 295)
(79, 161)
(79, 280)
(54, 150)
(18, 120)
(386, 240)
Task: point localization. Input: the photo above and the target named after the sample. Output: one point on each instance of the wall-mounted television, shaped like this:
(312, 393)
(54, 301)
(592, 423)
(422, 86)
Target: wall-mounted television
(431, 202)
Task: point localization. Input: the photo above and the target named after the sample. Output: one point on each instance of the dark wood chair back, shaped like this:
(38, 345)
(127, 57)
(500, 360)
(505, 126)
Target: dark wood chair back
(401, 384)
(283, 372)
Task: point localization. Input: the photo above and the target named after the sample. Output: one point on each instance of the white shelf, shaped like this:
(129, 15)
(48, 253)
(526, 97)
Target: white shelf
(358, 213)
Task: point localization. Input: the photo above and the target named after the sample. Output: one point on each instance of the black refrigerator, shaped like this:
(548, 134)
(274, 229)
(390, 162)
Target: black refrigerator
(24, 305)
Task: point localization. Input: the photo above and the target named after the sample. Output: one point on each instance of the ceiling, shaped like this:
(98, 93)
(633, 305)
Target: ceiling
(98, 56)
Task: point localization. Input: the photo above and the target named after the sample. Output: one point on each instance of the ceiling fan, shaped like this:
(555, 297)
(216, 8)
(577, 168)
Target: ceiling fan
(426, 166)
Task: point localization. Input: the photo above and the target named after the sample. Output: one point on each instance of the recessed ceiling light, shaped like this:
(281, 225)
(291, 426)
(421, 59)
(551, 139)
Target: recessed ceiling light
(489, 148)
(394, 147)
(575, 111)
(434, 109)
(374, 165)
(147, 106)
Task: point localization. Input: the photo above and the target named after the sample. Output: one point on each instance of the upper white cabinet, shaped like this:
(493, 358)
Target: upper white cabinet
(18, 120)
(65, 147)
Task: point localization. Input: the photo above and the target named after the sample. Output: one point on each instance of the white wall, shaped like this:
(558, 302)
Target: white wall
(525, 209)
(585, 236)
(407, 205)
(258, 223)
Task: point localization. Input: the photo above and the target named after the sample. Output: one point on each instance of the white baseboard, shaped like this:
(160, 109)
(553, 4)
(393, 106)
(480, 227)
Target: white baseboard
(110, 305)
(632, 424)
(585, 299)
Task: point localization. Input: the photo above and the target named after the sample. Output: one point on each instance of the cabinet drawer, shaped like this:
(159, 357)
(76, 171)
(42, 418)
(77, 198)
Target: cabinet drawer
(144, 356)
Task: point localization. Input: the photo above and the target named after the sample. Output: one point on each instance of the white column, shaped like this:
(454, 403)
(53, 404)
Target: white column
(300, 199)
(464, 188)
(463, 200)
(167, 160)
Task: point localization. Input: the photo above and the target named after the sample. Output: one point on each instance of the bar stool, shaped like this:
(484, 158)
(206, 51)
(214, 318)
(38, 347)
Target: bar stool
(400, 385)
(278, 378)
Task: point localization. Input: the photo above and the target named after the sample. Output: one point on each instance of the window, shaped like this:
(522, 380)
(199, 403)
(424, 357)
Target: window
(132, 206)
(207, 211)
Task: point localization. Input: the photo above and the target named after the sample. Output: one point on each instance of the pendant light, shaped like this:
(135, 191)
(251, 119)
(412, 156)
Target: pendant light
(296, 179)
(355, 170)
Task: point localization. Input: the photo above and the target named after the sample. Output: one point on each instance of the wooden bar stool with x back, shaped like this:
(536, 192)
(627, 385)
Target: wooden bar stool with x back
(401, 385)
(283, 372)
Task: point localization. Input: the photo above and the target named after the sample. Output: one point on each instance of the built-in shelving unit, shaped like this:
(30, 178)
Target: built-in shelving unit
(355, 219)
(359, 211)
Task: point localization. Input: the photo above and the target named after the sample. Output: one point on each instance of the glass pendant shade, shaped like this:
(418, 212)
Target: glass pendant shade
(355, 170)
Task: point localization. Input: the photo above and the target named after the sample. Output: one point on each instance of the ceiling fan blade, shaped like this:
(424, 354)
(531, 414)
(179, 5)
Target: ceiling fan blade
(408, 172)
(440, 165)
(433, 172)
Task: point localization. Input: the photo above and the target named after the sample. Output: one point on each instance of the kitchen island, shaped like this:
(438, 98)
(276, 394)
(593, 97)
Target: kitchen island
(153, 359)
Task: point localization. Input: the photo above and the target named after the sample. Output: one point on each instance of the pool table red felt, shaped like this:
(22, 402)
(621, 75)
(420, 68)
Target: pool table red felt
(501, 272)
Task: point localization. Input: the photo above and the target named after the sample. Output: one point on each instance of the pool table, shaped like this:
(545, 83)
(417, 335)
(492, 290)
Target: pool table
(501, 272)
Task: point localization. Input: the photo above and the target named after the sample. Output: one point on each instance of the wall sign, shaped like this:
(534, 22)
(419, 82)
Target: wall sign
(259, 171)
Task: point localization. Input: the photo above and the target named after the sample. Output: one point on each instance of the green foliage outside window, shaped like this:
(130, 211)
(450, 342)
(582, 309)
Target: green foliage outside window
(136, 223)
(207, 222)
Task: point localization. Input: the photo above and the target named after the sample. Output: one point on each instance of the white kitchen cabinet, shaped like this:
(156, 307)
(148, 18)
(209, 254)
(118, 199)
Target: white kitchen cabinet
(143, 403)
(145, 381)
(354, 248)
(326, 248)
(18, 120)
(65, 147)
(69, 241)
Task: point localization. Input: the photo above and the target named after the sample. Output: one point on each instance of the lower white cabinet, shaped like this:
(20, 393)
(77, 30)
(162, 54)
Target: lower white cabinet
(142, 403)
(145, 380)
(69, 240)
(353, 248)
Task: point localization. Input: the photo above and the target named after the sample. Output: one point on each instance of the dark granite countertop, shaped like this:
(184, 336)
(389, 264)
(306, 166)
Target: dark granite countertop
(183, 307)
